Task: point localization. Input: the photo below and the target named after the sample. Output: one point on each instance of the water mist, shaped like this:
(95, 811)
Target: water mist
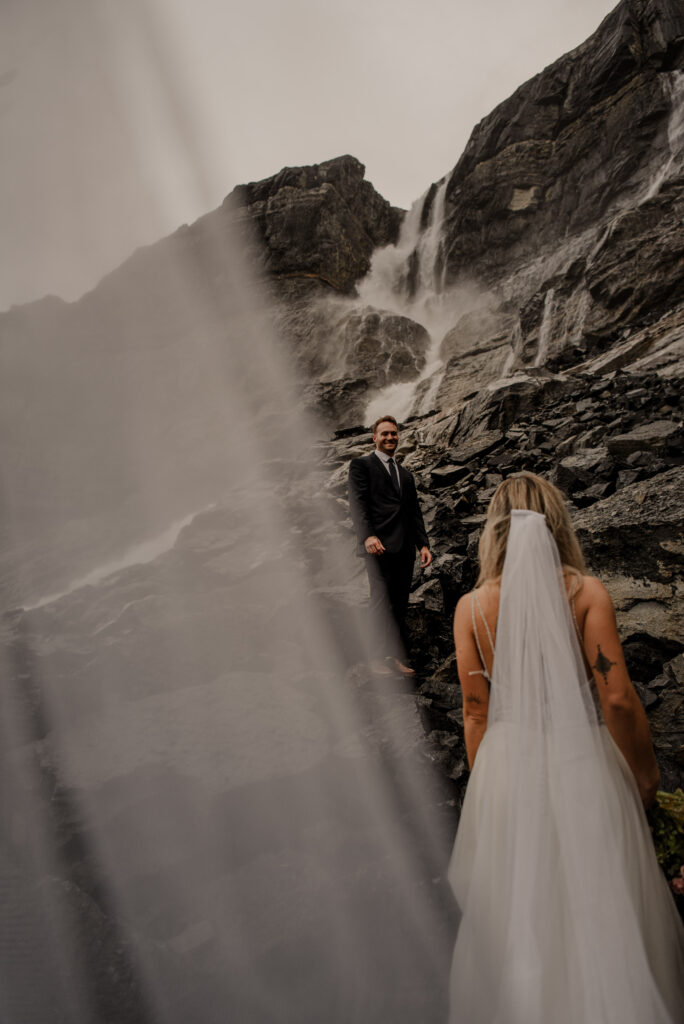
(207, 815)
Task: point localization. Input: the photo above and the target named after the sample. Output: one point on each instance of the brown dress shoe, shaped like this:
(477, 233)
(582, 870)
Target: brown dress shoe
(379, 667)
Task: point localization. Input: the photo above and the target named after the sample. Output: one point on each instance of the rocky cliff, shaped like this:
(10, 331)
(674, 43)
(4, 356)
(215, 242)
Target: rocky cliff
(555, 242)
(567, 199)
(527, 313)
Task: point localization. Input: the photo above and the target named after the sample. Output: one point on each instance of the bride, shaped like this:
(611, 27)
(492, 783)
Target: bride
(566, 917)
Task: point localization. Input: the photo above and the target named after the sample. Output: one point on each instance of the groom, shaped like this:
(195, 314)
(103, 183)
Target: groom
(389, 527)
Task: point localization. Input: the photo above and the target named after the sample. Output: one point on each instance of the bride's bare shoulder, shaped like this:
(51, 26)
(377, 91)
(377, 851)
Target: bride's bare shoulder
(592, 585)
(462, 611)
(487, 596)
(591, 592)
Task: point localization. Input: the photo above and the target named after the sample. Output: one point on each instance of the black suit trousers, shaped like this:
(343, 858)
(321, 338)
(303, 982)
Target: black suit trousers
(390, 578)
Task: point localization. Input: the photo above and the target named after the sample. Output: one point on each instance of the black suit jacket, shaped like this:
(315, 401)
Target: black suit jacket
(378, 509)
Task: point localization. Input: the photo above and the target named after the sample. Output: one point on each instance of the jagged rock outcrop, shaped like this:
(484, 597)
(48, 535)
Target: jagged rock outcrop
(553, 158)
(362, 350)
(317, 223)
(382, 348)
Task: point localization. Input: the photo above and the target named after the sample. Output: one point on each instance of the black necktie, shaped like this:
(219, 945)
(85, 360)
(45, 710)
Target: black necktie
(393, 473)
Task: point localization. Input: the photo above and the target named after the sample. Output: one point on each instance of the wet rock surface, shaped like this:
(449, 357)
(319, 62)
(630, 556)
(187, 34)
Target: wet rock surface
(229, 731)
(567, 206)
(627, 503)
(321, 222)
(537, 166)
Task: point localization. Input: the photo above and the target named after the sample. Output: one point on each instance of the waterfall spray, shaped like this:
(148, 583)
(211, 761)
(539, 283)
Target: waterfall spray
(209, 813)
(409, 278)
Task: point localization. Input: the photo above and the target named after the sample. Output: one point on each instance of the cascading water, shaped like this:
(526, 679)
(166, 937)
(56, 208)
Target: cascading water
(674, 85)
(408, 279)
(139, 554)
(545, 329)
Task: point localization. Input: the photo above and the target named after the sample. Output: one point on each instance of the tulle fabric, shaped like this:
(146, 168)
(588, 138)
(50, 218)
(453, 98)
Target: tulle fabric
(566, 918)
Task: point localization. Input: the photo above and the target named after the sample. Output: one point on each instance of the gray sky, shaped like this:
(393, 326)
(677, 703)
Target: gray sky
(122, 119)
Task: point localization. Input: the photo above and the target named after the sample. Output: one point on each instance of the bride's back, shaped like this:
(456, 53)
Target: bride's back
(582, 593)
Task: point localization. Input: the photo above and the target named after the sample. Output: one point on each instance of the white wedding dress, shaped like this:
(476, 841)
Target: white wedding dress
(566, 917)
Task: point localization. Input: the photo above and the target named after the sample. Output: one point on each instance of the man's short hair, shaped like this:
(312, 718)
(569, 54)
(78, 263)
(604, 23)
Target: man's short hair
(384, 419)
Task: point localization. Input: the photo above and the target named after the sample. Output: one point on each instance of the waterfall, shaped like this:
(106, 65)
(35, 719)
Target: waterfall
(404, 277)
(545, 328)
(138, 554)
(575, 331)
(429, 248)
(674, 84)
(408, 279)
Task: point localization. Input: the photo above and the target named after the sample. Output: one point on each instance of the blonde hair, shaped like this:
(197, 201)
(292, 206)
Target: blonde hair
(526, 490)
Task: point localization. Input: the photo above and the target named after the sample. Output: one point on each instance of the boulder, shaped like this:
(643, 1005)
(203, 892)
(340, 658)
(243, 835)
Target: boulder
(641, 527)
(647, 607)
(382, 348)
(338, 401)
(576, 472)
(656, 436)
(444, 476)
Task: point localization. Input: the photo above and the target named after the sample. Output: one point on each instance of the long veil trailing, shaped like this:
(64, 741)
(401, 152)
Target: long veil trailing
(558, 923)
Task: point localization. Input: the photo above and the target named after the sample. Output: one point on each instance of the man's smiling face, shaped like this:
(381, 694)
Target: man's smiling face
(386, 437)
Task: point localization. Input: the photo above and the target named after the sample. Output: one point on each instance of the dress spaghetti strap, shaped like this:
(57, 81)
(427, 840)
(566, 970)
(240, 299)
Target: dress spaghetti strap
(483, 671)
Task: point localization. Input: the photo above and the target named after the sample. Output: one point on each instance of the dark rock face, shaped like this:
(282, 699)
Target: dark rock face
(338, 400)
(313, 231)
(381, 347)
(628, 509)
(551, 158)
(567, 204)
(627, 503)
(320, 222)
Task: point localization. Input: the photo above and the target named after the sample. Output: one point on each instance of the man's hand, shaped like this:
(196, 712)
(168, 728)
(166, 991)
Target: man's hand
(374, 546)
(425, 558)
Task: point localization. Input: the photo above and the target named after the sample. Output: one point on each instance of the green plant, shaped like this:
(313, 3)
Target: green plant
(666, 818)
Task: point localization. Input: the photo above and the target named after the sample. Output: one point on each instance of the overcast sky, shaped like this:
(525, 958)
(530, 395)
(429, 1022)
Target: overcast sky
(122, 119)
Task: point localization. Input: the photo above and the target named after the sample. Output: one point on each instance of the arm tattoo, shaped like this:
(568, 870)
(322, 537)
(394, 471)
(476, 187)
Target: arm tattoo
(603, 665)
(473, 698)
